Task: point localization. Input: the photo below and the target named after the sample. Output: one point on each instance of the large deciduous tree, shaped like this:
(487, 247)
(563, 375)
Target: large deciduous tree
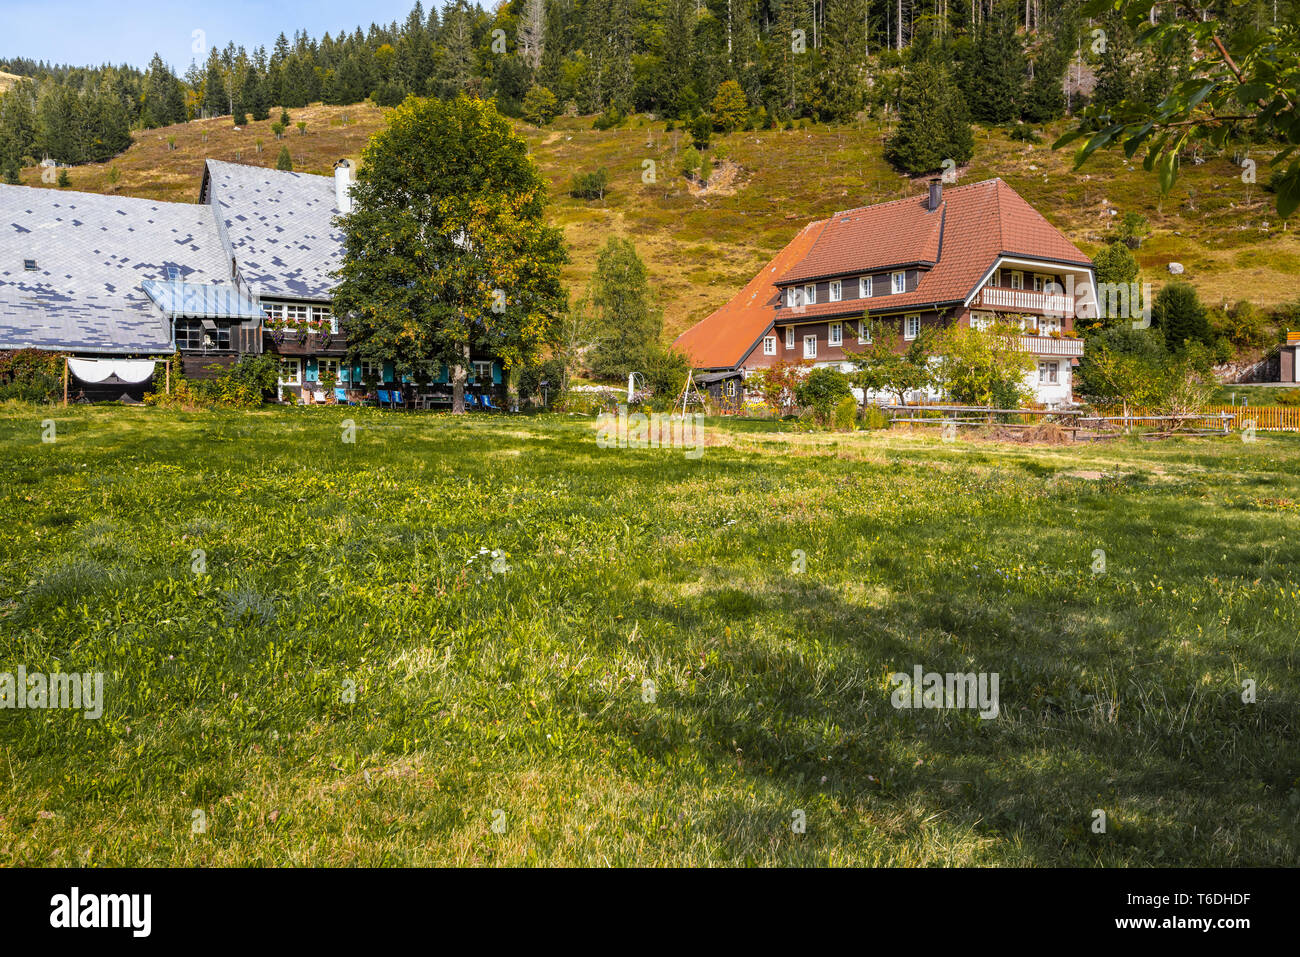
(446, 251)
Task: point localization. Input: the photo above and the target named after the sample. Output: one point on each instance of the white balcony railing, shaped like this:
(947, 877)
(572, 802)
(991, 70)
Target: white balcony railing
(1048, 346)
(1054, 304)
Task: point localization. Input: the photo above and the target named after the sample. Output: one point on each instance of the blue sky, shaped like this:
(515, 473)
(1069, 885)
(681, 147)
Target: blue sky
(91, 32)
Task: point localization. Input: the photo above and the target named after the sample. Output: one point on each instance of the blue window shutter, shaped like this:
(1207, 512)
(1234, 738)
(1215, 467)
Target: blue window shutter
(496, 373)
(311, 370)
(388, 372)
(443, 377)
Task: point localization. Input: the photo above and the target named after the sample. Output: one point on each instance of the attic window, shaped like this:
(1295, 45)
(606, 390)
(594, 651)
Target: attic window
(29, 265)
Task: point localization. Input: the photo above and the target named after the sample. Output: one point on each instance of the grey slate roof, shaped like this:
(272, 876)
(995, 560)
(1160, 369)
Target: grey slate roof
(92, 255)
(278, 226)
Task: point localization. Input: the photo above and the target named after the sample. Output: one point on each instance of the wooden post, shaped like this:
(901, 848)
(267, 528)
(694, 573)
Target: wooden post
(65, 380)
(167, 375)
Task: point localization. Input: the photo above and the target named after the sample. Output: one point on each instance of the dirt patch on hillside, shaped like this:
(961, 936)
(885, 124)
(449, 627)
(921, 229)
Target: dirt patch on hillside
(724, 181)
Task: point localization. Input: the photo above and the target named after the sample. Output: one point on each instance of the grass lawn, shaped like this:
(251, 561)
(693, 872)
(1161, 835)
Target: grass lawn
(514, 689)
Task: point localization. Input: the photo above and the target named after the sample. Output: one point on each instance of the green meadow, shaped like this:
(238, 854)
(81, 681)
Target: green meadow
(489, 641)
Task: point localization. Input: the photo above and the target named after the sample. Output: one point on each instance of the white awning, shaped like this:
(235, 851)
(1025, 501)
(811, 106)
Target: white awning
(133, 371)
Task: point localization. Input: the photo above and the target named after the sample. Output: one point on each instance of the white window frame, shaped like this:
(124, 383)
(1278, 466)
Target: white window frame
(789, 337)
(810, 347)
(769, 345)
(864, 287)
(897, 283)
(910, 331)
(474, 370)
(730, 388)
(291, 363)
(864, 332)
(1049, 324)
(372, 370)
(980, 321)
(323, 365)
(1048, 373)
(997, 277)
(835, 292)
(1017, 279)
(1041, 281)
(835, 334)
(792, 297)
(810, 294)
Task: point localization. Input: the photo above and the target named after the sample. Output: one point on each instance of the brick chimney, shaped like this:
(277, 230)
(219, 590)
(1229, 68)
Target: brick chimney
(936, 194)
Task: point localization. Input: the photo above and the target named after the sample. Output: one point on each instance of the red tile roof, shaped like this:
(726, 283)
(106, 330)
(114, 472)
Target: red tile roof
(963, 238)
(726, 336)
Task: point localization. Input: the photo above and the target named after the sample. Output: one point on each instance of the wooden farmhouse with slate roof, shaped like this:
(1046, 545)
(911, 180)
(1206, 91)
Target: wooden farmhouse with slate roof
(248, 269)
(962, 255)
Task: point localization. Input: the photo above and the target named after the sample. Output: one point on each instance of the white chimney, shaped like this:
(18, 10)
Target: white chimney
(343, 186)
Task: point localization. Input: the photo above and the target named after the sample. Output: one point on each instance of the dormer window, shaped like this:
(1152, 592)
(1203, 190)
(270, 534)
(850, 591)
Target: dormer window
(836, 291)
(864, 287)
(900, 282)
(29, 265)
(810, 294)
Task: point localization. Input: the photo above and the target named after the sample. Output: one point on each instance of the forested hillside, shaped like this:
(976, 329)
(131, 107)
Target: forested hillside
(828, 60)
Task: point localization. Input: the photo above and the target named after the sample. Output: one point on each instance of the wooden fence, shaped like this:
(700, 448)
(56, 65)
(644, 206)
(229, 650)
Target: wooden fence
(1267, 418)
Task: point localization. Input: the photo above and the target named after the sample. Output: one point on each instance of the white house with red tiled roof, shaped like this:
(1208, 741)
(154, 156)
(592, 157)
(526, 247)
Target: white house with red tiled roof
(960, 256)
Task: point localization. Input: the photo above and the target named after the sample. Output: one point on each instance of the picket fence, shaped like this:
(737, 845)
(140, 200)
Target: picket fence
(1266, 418)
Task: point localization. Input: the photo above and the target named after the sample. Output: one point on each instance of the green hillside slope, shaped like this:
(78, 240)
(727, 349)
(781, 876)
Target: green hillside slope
(700, 248)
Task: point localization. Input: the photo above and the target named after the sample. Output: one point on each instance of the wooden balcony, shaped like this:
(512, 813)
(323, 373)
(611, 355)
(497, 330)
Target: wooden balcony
(293, 343)
(1063, 347)
(1024, 300)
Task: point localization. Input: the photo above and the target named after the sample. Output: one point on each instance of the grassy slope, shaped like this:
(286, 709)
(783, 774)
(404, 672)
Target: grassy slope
(701, 250)
(523, 691)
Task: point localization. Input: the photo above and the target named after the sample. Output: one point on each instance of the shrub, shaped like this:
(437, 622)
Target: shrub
(1243, 325)
(846, 414)
(540, 106)
(690, 162)
(1133, 228)
(665, 372)
(1115, 264)
(611, 118)
(31, 375)
(821, 391)
(240, 386)
(64, 179)
(589, 185)
(701, 128)
(241, 118)
(1023, 133)
(284, 162)
(873, 417)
